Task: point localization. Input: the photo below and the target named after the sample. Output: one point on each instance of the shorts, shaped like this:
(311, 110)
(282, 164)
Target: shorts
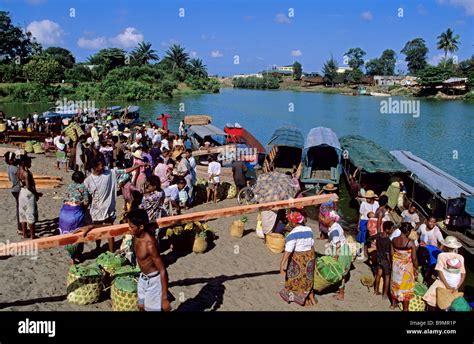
(362, 235)
(149, 291)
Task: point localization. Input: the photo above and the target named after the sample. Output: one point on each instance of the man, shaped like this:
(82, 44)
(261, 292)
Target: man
(367, 206)
(95, 135)
(164, 121)
(192, 163)
(165, 143)
(150, 132)
(20, 124)
(80, 155)
(35, 117)
(156, 137)
(239, 169)
(172, 194)
(430, 234)
(410, 215)
(155, 152)
(102, 185)
(214, 172)
(184, 170)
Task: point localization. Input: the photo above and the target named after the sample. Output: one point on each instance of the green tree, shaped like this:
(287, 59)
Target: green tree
(448, 42)
(143, 53)
(78, 73)
(356, 57)
(63, 56)
(415, 52)
(177, 57)
(43, 71)
(14, 43)
(388, 61)
(432, 76)
(108, 59)
(330, 70)
(297, 70)
(197, 68)
(353, 76)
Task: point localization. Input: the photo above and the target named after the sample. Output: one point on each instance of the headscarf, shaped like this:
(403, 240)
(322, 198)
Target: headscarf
(334, 216)
(295, 217)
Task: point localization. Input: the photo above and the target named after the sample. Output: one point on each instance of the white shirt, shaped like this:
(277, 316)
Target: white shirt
(95, 134)
(165, 144)
(156, 138)
(430, 237)
(150, 133)
(366, 208)
(412, 218)
(300, 239)
(396, 233)
(336, 235)
(214, 170)
(172, 192)
(21, 124)
(35, 117)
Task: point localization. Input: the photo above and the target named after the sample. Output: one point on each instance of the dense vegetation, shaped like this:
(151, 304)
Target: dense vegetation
(31, 74)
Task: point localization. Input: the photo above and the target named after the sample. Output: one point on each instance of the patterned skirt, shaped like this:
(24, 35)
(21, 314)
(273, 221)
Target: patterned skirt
(402, 283)
(299, 277)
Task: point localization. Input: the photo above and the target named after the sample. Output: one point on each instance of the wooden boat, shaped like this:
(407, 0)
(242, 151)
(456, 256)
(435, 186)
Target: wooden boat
(197, 120)
(284, 150)
(376, 167)
(321, 159)
(248, 147)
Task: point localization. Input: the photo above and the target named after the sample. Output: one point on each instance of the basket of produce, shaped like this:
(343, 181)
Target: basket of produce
(124, 294)
(109, 261)
(84, 284)
(127, 270)
(328, 271)
(275, 242)
(37, 148)
(237, 227)
(29, 146)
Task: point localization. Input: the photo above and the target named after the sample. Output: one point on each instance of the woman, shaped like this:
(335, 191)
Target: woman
(404, 268)
(450, 277)
(339, 249)
(61, 153)
(73, 212)
(430, 234)
(28, 197)
(10, 159)
(324, 211)
(162, 172)
(140, 175)
(297, 263)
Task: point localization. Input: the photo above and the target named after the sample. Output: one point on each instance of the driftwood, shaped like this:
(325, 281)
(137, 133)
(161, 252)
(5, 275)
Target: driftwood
(118, 230)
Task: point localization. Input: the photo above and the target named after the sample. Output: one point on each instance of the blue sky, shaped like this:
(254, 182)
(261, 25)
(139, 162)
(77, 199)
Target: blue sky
(260, 33)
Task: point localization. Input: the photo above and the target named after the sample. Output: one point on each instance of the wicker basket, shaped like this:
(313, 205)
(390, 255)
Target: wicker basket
(232, 192)
(200, 244)
(83, 290)
(123, 300)
(275, 242)
(237, 229)
(320, 283)
(416, 304)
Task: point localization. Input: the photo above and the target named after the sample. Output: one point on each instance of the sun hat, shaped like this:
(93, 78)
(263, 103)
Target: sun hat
(370, 194)
(138, 154)
(451, 242)
(330, 187)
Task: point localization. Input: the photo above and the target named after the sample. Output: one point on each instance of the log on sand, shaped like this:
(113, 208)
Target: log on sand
(118, 230)
(4, 175)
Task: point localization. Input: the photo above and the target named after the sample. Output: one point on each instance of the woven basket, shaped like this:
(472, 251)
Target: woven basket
(417, 304)
(237, 229)
(37, 149)
(232, 192)
(275, 242)
(200, 244)
(83, 290)
(122, 300)
(319, 282)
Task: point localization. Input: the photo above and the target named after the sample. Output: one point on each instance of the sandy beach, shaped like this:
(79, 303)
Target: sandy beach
(234, 275)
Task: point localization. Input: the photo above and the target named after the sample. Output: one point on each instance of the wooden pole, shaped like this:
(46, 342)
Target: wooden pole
(118, 230)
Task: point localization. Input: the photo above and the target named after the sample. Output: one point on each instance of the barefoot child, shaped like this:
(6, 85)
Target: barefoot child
(384, 260)
(153, 282)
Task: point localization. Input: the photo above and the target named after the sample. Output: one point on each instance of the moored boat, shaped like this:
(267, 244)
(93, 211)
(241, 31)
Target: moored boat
(284, 150)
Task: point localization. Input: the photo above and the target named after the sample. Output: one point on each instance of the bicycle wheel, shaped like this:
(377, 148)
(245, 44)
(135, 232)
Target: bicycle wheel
(246, 196)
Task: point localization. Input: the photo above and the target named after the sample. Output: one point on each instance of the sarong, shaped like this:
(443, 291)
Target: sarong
(27, 207)
(402, 283)
(299, 277)
(362, 235)
(71, 218)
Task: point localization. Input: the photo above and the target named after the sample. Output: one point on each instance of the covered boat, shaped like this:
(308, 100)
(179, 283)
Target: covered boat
(321, 159)
(200, 134)
(372, 166)
(250, 148)
(284, 150)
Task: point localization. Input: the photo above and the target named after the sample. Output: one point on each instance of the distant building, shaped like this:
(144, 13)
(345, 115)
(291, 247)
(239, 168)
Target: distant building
(455, 85)
(284, 69)
(342, 70)
(388, 80)
(255, 75)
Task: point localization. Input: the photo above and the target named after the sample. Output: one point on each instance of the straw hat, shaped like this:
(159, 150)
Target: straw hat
(330, 187)
(370, 194)
(451, 242)
(138, 154)
(126, 130)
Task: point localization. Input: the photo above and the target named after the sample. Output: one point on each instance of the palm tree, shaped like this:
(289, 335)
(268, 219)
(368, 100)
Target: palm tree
(330, 70)
(177, 56)
(143, 53)
(447, 42)
(198, 68)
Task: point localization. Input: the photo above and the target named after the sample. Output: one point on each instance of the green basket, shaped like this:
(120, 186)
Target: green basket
(84, 284)
(124, 294)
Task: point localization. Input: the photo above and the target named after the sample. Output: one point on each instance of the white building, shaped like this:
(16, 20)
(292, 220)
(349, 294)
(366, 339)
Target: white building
(342, 70)
(255, 75)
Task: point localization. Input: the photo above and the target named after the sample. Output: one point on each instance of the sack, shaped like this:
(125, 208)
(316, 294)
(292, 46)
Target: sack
(330, 269)
(200, 244)
(275, 242)
(460, 305)
(445, 297)
(319, 282)
(237, 229)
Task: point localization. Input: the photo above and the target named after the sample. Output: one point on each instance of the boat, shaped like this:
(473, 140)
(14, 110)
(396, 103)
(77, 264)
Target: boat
(321, 159)
(236, 134)
(284, 150)
(217, 139)
(437, 193)
(197, 120)
(376, 167)
(379, 94)
(130, 116)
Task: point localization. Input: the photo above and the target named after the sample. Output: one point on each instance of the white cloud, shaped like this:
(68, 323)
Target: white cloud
(46, 32)
(216, 54)
(193, 54)
(128, 39)
(468, 5)
(296, 53)
(367, 15)
(281, 18)
(94, 43)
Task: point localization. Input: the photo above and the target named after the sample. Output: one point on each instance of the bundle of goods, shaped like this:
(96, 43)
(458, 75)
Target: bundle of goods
(29, 146)
(460, 305)
(226, 190)
(84, 284)
(109, 261)
(126, 270)
(417, 304)
(124, 294)
(329, 271)
(41, 181)
(445, 297)
(275, 242)
(73, 131)
(237, 227)
(194, 235)
(38, 148)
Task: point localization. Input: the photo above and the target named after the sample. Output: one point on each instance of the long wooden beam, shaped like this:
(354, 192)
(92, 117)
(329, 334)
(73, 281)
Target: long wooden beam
(118, 230)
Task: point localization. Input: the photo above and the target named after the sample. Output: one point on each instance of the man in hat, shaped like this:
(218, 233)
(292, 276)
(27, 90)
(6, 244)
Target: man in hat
(367, 206)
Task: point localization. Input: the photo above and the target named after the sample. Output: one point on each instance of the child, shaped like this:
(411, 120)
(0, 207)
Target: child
(153, 282)
(384, 260)
(372, 240)
(152, 201)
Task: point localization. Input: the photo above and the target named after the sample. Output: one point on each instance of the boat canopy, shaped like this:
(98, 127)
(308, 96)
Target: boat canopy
(322, 136)
(133, 108)
(114, 108)
(206, 130)
(368, 156)
(435, 179)
(287, 136)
